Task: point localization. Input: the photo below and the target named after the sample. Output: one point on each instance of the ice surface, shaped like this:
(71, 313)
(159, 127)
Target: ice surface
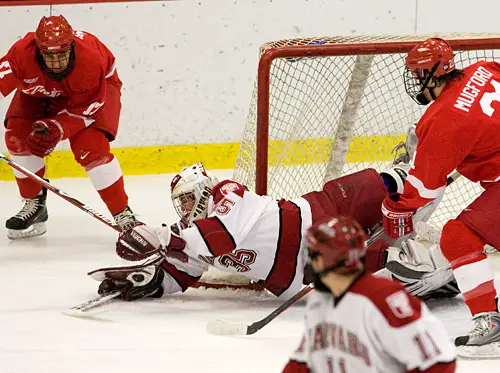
(41, 277)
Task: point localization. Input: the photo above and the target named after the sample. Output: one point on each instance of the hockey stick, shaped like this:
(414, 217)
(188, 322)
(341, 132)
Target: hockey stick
(81, 309)
(59, 192)
(221, 327)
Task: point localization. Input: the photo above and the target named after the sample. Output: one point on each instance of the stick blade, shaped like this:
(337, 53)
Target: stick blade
(220, 327)
(87, 309)
(90, 314)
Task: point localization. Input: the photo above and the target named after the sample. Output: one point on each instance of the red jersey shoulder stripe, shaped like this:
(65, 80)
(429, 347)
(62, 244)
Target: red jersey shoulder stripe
(389, 297)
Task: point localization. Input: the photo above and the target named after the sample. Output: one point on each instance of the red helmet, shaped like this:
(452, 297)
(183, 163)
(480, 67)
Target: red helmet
(53, 34)
(339, 240)
(425, 56)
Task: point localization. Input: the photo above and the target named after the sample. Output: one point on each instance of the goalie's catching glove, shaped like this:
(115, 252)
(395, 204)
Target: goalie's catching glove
(134, 282)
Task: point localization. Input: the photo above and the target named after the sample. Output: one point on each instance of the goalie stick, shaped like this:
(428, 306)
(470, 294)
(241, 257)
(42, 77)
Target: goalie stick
(81, 309)
(221, 327)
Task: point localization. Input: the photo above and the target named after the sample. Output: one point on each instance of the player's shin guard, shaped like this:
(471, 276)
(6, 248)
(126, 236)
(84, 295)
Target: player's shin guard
(107, 179)
(474, 275)
(28, 188)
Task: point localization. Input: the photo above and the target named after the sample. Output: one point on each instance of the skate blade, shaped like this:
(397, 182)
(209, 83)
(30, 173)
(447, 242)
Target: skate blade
(34, 230)
(488, 351)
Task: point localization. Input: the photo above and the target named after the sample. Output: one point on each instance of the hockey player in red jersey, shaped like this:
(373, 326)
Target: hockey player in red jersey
(359, 323)
(237, 231)
(460, 130)
(66, 87)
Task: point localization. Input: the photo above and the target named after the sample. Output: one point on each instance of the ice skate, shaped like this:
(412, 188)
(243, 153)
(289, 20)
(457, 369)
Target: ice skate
(30, 221)
(483, 341)
(124, 218)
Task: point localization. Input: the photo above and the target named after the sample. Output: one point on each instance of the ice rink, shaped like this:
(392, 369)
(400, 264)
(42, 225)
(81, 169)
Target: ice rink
(41, 277)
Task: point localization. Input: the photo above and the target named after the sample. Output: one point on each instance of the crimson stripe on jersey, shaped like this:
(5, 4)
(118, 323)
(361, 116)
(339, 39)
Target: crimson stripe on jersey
(217, 238)
(182, 278)
(294, 366)
(285, 261)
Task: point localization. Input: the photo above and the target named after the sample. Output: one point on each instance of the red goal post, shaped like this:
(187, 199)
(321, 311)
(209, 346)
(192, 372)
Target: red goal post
(324, 107)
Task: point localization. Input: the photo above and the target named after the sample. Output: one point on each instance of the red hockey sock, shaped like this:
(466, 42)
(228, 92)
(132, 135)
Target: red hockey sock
(474, 275)
(28, 188)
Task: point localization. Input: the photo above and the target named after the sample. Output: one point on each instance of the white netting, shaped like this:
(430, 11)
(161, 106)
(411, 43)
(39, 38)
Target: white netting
(359, 100)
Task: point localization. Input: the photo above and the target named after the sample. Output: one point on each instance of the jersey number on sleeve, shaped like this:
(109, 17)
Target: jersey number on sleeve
(224, 206)
(5, 69)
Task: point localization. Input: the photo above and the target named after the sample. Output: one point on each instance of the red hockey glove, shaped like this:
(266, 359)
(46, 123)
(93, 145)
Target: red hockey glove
(397, 222)
(45, 136)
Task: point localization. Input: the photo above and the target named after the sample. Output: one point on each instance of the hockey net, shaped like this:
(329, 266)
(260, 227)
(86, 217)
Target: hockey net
(326, 107)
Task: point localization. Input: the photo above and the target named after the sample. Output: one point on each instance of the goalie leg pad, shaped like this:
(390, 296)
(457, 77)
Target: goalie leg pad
(422, 270)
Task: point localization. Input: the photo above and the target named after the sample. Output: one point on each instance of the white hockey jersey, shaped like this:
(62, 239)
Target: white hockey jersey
(246, 234)
(374, 327)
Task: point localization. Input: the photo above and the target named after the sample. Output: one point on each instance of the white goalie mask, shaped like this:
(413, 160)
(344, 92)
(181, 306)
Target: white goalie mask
(191, 190)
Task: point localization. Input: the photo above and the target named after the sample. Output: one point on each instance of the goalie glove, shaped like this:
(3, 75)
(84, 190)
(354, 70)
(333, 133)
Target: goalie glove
(140, 241)
(134, 282)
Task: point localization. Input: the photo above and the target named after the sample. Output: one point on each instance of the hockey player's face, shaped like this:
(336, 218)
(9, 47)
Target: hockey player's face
(186, 204)
(57, 62)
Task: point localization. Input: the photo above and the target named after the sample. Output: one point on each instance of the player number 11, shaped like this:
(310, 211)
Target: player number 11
(331, 365)
(426, 345)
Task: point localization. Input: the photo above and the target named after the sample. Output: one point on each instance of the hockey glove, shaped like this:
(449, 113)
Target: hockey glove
(44, 138)
(397, 222)
(134, 283)
(139, 242)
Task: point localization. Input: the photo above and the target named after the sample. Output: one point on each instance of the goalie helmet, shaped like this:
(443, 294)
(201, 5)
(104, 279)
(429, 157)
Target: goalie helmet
(425, 62)
(190, 190)
(341, 241)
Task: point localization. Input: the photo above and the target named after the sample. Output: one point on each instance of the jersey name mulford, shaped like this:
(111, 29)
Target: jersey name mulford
(470, 91)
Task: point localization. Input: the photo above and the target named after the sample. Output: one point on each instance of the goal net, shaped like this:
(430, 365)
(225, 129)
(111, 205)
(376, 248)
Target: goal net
(326, 107)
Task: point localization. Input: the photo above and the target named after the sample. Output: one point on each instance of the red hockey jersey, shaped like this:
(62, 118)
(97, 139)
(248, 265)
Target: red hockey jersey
(80, 94)
(460, 130)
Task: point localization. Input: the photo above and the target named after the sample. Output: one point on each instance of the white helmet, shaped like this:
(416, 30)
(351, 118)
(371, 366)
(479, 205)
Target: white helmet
(190, 191)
